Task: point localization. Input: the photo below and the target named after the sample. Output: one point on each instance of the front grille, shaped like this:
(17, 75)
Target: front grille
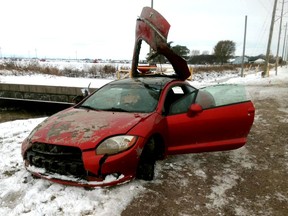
(64, 160)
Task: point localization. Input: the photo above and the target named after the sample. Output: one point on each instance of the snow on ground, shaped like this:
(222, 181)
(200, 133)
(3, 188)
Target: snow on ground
(49, 80)
(20, 194)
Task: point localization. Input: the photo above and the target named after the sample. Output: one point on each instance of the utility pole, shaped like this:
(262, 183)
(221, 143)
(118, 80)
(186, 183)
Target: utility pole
(266, 67)
(279, 35)
(286, 51)
(284, 43)
(244, 44)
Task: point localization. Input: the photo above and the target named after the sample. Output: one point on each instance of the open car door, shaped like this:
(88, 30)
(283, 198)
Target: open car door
(219, 118)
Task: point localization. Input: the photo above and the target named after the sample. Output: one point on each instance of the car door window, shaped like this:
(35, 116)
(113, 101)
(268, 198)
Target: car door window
(178, 99)
(205, 99)
(221, 95)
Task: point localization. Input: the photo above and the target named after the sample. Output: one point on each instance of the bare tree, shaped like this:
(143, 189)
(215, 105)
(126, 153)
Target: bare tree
(205, 52)
(195, 52)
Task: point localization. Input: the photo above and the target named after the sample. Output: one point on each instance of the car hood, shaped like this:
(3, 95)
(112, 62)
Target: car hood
(153, 28)
(84, 128)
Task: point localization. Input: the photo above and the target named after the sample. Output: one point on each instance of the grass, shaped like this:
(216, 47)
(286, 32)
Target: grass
(101, 70)
(31, 67)
(225, 68)
(34, 67)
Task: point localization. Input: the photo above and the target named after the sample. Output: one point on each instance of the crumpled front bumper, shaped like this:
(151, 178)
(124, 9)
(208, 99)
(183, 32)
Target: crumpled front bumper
(98, 170)
(109, 180)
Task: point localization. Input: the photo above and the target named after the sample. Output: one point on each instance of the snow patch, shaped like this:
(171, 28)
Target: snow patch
(223, 183)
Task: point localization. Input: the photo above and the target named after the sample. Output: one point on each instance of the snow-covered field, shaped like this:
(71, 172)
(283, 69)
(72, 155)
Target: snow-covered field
(20, 194)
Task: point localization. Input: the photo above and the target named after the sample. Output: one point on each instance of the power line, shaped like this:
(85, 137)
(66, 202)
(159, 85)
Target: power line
(264, 5)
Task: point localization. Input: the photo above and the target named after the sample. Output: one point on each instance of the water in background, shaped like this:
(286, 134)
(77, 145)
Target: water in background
(11, 110)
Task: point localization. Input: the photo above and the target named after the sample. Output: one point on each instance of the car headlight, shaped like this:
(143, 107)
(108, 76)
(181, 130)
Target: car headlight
(116, 144)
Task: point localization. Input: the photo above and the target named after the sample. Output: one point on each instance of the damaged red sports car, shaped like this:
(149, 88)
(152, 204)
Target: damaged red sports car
(118, 132)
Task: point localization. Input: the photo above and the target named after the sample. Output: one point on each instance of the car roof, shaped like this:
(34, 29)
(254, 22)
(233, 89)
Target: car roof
(160, 81)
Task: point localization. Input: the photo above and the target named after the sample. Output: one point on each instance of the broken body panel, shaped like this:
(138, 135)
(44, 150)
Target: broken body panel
(153, 28)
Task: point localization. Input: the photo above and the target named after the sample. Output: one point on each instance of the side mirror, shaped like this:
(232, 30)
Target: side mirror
(85, 92)
(194, 109)
(77, 99)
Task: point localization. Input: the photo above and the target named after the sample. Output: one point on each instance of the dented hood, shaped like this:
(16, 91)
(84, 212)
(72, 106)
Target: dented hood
(153, 28)
(84, 128)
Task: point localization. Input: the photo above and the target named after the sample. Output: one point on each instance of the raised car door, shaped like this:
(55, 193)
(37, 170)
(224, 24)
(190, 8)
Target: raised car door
(220, 118)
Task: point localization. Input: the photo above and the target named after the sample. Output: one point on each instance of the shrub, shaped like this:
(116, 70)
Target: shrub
(107, 70)
(93, 71)
(71, 72)
(215, 68)
(31, 67)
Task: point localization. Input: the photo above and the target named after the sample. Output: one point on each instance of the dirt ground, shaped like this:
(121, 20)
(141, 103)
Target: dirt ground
(252, 180)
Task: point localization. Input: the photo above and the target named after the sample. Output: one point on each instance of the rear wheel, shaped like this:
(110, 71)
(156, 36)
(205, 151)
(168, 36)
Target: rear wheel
(147, 161)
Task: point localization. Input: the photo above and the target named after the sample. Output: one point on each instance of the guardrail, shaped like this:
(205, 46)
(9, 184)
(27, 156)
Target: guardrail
(55, 94)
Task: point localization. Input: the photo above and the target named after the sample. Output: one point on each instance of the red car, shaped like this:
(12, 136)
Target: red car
(118, 132)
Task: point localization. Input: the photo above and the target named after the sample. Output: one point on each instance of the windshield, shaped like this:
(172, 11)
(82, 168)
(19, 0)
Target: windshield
(132, 97)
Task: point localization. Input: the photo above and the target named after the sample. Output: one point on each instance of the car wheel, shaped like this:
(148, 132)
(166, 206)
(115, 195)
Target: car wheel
(147, 161)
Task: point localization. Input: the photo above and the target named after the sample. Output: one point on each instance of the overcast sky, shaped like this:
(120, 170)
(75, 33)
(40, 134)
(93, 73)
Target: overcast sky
(106, 28)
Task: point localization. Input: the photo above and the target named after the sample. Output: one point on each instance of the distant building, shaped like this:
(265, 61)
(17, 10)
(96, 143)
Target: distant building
(259, 61)
(238, 60)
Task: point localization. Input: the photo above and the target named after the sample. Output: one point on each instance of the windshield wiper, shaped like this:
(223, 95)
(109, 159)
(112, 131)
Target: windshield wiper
(150, 87)
(87, 107)
(116, 109)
